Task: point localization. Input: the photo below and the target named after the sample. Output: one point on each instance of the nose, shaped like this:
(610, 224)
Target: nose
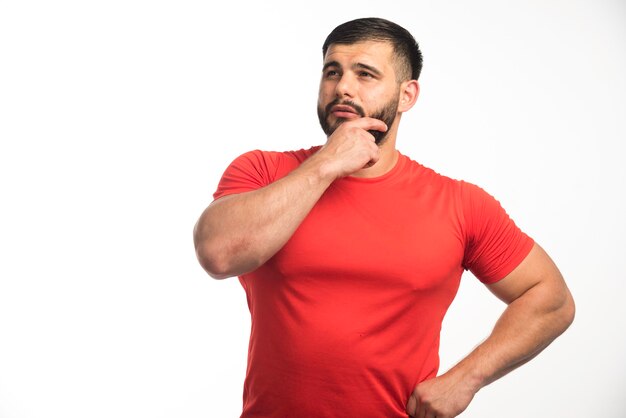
(345, 87)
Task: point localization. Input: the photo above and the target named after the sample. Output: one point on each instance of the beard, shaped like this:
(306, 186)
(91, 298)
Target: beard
(386, 113)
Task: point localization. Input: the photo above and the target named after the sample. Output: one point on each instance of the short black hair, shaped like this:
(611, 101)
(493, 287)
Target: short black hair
(376, 29)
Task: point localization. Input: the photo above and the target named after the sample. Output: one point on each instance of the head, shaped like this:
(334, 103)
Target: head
(371, 67)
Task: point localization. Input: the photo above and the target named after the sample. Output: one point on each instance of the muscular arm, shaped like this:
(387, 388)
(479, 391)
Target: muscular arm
(238, 233)
(540, 308)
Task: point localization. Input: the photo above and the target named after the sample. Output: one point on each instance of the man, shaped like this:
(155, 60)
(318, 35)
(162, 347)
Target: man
(350, 254)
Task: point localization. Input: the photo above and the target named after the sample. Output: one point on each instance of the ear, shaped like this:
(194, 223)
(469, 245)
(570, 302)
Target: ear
(409, 90)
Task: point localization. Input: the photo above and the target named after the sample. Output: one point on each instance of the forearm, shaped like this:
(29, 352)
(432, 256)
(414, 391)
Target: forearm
(238, 233)
(527, 326)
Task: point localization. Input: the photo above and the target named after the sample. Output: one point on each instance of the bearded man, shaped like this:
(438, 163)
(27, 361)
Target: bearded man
(350, 254)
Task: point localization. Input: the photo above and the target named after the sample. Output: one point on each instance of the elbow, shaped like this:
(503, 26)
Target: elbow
(563, 314)
(223, 258)
(569, 310)
(209, 255)
(213, 263)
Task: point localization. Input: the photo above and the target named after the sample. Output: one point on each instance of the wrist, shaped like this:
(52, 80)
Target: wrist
(319, 169)
(470, 374)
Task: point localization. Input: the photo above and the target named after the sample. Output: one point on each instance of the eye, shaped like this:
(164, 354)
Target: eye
(365, 74)
(331, 73)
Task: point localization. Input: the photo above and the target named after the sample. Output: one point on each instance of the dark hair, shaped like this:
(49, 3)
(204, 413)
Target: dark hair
(375, 29)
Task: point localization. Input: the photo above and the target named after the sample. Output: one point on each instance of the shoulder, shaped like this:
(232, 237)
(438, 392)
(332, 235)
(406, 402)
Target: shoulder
(463, 189)
(426, 177)
(270, 165)
(467, 200)
(277, 157)
(255, 169)
(274, 164)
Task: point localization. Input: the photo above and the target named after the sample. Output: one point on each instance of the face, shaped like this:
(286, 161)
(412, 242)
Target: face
(358, 80)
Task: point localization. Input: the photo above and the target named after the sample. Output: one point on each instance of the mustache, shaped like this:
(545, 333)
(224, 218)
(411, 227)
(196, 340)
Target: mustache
(358, 109)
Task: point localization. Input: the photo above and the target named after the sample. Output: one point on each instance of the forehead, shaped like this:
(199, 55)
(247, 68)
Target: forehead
(375, 53)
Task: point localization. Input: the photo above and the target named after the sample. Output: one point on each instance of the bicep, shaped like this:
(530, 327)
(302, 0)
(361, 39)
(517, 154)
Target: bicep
(536, 269)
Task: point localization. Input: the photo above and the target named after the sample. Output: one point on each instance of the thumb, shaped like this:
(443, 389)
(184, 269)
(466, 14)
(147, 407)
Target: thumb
(411, 406)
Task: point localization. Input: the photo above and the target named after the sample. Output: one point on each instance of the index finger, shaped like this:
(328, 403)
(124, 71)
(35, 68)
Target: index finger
(369, 124)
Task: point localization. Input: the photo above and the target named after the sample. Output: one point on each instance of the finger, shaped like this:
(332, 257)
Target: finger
(368, 123)
(374, 155)
(411, 406)
(420, 412)
(374, 158)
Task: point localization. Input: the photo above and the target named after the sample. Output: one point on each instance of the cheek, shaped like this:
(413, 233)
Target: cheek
(378, 98)
(373, 104)
(323, 94)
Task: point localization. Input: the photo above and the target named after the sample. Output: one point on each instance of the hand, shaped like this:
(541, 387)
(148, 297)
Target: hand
(351, 147)
(442, 397)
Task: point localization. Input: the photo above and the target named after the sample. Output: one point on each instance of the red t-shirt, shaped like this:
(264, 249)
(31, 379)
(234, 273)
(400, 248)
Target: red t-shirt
(346, 316)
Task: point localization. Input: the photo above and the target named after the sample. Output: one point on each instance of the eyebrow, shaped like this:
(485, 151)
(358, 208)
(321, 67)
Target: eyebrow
(369, 68)
(374, 70)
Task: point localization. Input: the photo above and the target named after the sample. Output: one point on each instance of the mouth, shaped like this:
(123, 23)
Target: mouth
(344, 111)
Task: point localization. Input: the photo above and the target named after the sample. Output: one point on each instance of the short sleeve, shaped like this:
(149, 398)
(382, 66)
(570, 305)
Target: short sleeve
(494, 244)
(249, 171)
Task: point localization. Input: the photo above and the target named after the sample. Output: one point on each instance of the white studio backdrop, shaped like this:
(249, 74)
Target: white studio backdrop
(117, 119)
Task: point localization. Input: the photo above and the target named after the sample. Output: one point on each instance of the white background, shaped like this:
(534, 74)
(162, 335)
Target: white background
(117, 119)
